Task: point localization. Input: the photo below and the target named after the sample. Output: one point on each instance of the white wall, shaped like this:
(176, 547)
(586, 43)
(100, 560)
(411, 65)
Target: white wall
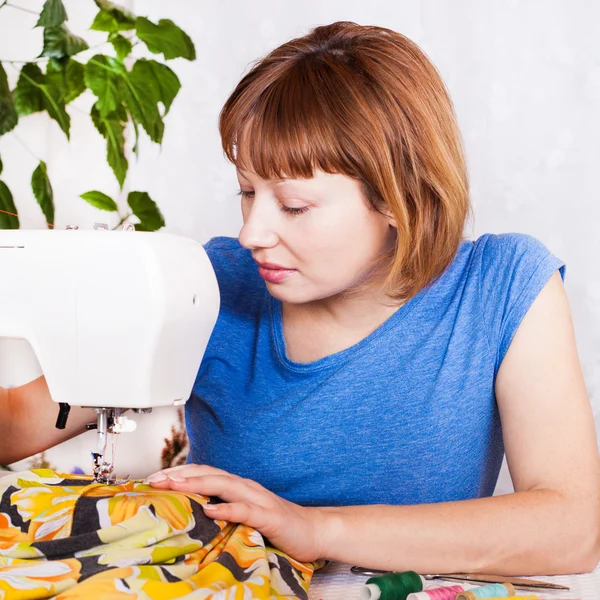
(524, 76)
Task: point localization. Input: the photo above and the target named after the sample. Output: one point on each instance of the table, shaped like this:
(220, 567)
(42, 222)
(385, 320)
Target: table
(335, 582)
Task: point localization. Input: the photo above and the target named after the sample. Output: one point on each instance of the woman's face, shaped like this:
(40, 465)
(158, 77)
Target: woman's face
(315, 238)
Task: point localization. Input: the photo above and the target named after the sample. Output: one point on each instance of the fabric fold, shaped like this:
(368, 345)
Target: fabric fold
(65, 537)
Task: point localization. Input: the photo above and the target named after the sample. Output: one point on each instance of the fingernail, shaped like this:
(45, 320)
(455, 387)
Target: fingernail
(155, 477)
(209, 506)
(177, 478)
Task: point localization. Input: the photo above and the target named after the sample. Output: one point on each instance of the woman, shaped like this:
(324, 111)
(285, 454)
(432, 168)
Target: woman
(369, 367)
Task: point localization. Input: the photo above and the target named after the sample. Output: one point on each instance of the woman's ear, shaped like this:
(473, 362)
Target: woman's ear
(387, 213)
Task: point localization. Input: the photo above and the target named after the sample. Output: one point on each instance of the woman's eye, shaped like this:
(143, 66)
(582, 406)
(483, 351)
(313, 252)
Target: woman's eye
(248, 194)
(293, 211)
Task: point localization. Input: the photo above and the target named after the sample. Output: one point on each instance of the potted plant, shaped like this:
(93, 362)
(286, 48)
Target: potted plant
(128, 91)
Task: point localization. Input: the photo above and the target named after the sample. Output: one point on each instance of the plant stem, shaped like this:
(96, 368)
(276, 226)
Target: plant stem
(32, 12)
(122, 221)
(24, 145)
(23, 62)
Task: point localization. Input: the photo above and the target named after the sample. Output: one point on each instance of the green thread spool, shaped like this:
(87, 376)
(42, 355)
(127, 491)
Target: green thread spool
(393, 586)
(494, 590)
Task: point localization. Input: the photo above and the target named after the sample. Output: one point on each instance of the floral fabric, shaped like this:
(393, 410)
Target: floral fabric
(64, 537)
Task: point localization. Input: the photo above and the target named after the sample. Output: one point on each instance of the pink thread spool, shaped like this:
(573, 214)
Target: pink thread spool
(448, 592)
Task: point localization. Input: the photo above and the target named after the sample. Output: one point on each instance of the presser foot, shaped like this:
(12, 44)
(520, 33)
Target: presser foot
(111, 422)
(103, 471)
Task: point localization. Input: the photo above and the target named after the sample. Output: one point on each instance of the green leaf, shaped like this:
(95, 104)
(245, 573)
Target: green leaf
(112, 18)
(35, 93)
(60, 42)
(8, 114)
(42, 190)
(111, 127)
(139, 97)
(53, 14)
(108, 78)
(145, 209)
(67, 77)
(165, 38)
(7, 204)
(28, 95)
(102, 74)
(121, 45)
(100, 200)
(136, 130)
(1, 166)
(163, 82)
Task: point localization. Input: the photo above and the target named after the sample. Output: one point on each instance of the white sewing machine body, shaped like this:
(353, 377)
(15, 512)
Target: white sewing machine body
(115, 318)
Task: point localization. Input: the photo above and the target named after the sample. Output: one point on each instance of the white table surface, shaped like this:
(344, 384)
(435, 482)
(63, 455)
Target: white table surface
(336, 582)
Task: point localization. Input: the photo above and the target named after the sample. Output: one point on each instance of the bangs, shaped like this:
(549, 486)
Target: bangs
(292, 127)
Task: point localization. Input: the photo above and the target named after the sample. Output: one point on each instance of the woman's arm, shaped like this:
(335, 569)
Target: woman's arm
(550, 525)
(27, 421)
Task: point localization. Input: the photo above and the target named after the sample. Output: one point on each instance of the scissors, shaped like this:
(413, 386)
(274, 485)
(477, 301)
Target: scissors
(528, 584)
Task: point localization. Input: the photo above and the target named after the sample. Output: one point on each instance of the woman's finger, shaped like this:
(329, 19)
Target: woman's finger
(229, 489)
(185, 471)
(241, 512)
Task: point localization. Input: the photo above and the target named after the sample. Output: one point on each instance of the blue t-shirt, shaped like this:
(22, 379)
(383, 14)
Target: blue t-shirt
(406, 416)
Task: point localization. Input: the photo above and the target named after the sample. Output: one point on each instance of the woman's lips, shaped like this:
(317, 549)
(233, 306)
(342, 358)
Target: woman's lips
(274, 274)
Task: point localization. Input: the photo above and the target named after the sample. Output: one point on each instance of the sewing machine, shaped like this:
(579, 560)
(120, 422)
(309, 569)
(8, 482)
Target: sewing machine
(117, 320)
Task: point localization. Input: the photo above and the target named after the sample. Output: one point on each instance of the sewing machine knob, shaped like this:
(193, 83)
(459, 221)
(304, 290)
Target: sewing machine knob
(123, 425)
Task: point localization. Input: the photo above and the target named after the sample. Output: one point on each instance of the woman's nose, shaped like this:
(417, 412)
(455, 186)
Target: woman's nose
(257, 230)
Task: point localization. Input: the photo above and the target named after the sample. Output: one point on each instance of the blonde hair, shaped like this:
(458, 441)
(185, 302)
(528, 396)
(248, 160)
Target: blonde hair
(366, 102)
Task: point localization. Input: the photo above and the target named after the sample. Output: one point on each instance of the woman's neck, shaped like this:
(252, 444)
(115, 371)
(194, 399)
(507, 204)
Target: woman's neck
(323, 327)
(346, 312)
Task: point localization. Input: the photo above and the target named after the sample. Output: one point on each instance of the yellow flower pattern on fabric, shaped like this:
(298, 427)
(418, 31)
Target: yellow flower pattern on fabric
(66, 537)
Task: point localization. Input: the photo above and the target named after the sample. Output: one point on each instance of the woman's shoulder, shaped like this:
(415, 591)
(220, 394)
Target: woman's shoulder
(221, 244)
(512, 261)
(234, 267)
(510, 270)
(509, 248)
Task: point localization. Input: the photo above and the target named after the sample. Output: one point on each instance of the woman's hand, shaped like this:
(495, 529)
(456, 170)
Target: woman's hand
(296, 530)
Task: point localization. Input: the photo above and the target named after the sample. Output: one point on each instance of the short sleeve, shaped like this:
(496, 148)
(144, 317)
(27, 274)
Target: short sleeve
(240, 286)
(514, 269)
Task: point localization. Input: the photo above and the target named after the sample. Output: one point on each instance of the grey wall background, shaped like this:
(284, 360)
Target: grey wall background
(524, 76)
